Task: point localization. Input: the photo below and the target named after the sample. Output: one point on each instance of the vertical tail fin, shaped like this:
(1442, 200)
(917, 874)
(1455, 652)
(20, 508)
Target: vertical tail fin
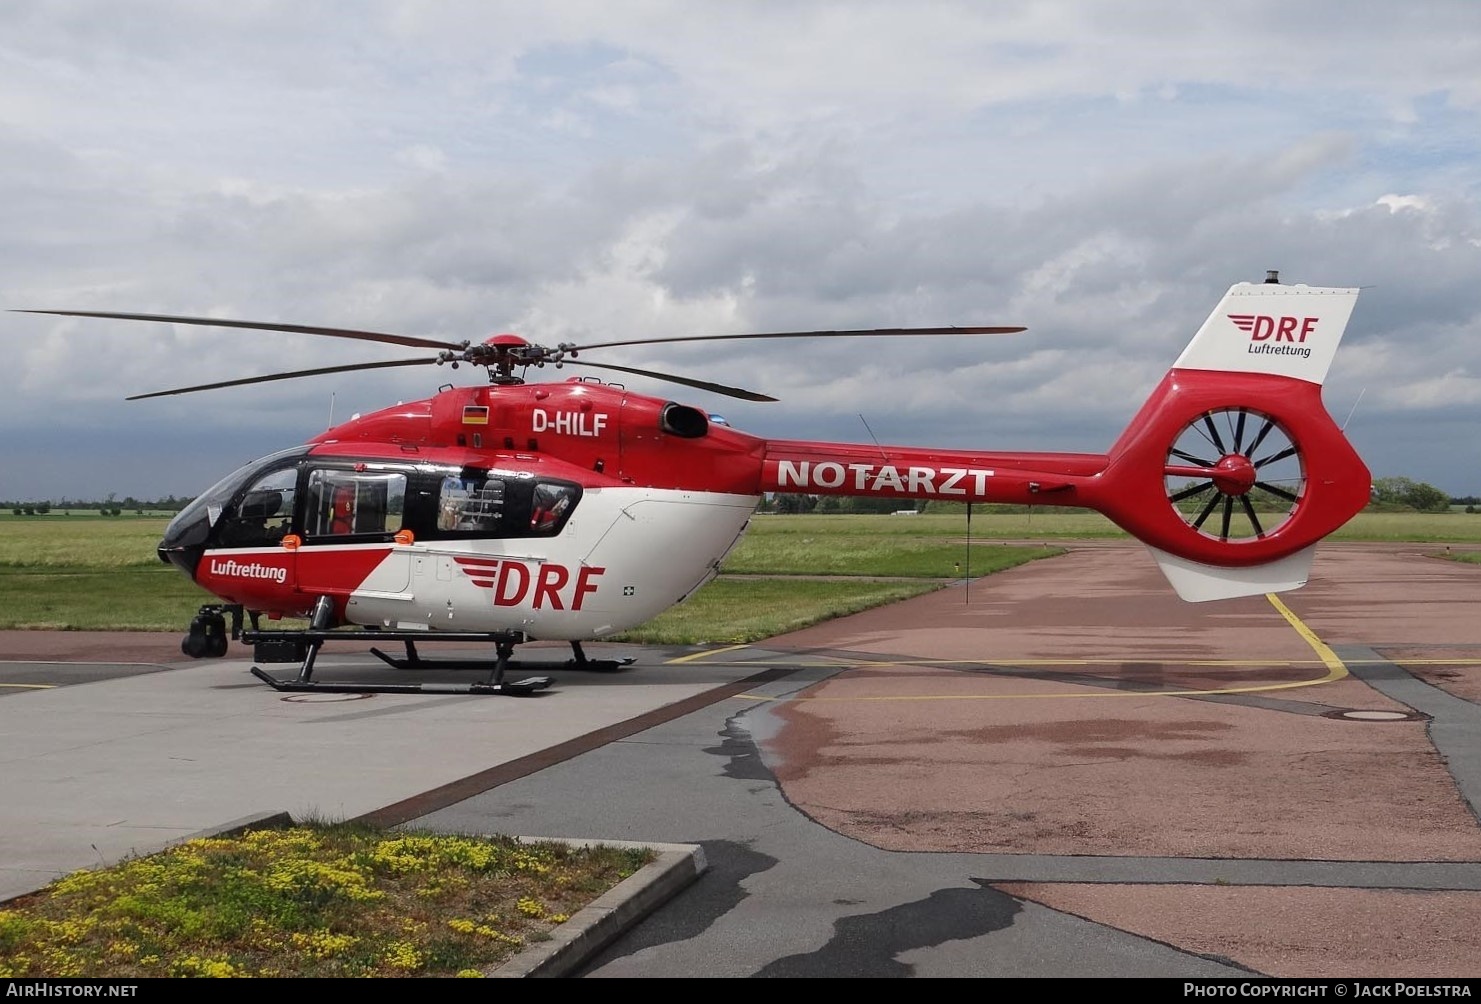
(1233, 470)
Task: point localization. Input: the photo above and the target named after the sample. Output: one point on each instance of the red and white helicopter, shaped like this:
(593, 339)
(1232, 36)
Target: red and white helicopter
(571, 511)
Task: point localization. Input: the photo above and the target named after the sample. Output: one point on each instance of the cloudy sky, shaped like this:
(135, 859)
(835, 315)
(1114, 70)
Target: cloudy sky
(594, 171)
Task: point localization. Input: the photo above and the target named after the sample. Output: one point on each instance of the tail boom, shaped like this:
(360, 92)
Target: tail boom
(1230, 473)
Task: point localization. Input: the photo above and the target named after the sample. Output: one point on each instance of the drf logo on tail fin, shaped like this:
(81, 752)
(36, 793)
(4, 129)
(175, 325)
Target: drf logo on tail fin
(1262, 327)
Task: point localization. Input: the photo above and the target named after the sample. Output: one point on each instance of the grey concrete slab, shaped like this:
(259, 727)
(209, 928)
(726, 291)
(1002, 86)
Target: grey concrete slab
(784, 896)
(95, 772)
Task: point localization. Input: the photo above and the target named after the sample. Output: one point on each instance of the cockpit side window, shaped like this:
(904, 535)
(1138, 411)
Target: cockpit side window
(553, 504)
(264, 512)
(472, 503)
(477, 503)
(345, 503)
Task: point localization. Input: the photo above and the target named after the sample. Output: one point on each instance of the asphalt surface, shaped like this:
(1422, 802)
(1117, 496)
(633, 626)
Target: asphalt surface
(1063, 771)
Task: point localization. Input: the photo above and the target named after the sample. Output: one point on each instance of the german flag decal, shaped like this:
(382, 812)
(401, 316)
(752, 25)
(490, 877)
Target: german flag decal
(475, 414)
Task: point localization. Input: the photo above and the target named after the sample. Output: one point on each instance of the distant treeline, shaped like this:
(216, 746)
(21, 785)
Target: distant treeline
(1393, 494)
(110, 506)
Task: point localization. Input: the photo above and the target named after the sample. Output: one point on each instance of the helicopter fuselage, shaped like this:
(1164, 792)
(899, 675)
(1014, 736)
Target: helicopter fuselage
(559, 511)
(548, 510)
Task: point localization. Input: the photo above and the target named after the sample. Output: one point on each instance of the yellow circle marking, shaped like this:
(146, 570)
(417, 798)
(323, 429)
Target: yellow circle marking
(1336, 670)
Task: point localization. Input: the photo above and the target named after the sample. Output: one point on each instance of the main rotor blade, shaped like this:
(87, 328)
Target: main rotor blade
(284, 376)
(863, 333)
(302, 329)
(718, 388)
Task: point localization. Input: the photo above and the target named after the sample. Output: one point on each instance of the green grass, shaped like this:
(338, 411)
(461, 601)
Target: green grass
(79, 598)
(79, 541)
(327, 900)
(1041, 523)
(87, 572)
(1057, 524)
(732, 611)
(79, 573)
(1439, 527)
(838, 551)
(735, 609)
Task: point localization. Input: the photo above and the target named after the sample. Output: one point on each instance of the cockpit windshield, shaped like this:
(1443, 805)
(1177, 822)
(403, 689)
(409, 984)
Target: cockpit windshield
(210, 502)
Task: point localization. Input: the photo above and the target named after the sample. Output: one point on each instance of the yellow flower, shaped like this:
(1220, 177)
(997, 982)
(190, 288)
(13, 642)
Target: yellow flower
(323, 944)
(194, 965)
(122, 949)
(403, 955)
(493, 935)
(302, 876)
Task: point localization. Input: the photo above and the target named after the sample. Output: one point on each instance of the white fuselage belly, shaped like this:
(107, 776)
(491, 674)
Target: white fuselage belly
(626, 555)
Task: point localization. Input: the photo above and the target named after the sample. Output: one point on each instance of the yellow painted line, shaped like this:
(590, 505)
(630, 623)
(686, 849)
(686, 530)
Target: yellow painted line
(1145, 661)
(692, 656)
(30, 686)
(1336, 670)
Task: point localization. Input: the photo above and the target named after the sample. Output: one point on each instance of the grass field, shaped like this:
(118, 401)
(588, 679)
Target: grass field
(101, 573)
(88, 572)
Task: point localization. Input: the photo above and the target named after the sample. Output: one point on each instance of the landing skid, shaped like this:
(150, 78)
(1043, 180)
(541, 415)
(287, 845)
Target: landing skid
(208, 633)
(414, 659)
(303, 646)
(309, 641)
(511, 688)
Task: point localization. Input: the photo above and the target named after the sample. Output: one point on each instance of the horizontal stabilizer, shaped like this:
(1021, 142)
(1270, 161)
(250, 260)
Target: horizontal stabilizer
(1197, 582)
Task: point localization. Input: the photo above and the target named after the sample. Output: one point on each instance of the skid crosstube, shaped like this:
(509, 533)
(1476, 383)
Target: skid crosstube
(303, 646)
(513, 688)
(414, 659)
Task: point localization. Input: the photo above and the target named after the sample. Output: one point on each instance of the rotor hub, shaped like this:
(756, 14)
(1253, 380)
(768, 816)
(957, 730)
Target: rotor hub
(1234, 474)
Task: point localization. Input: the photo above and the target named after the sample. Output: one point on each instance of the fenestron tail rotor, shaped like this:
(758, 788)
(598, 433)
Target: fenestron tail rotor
(501, 355)
(1234, 474)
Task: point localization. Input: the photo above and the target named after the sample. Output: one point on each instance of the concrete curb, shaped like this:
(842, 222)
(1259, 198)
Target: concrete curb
(598, 924)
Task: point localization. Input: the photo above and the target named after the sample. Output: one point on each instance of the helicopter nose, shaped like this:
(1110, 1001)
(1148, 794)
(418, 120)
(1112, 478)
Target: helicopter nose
(185, 539)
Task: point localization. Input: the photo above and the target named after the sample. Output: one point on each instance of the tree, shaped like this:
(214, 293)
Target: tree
(1407, 492)
(874, 504)
(794, 503)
